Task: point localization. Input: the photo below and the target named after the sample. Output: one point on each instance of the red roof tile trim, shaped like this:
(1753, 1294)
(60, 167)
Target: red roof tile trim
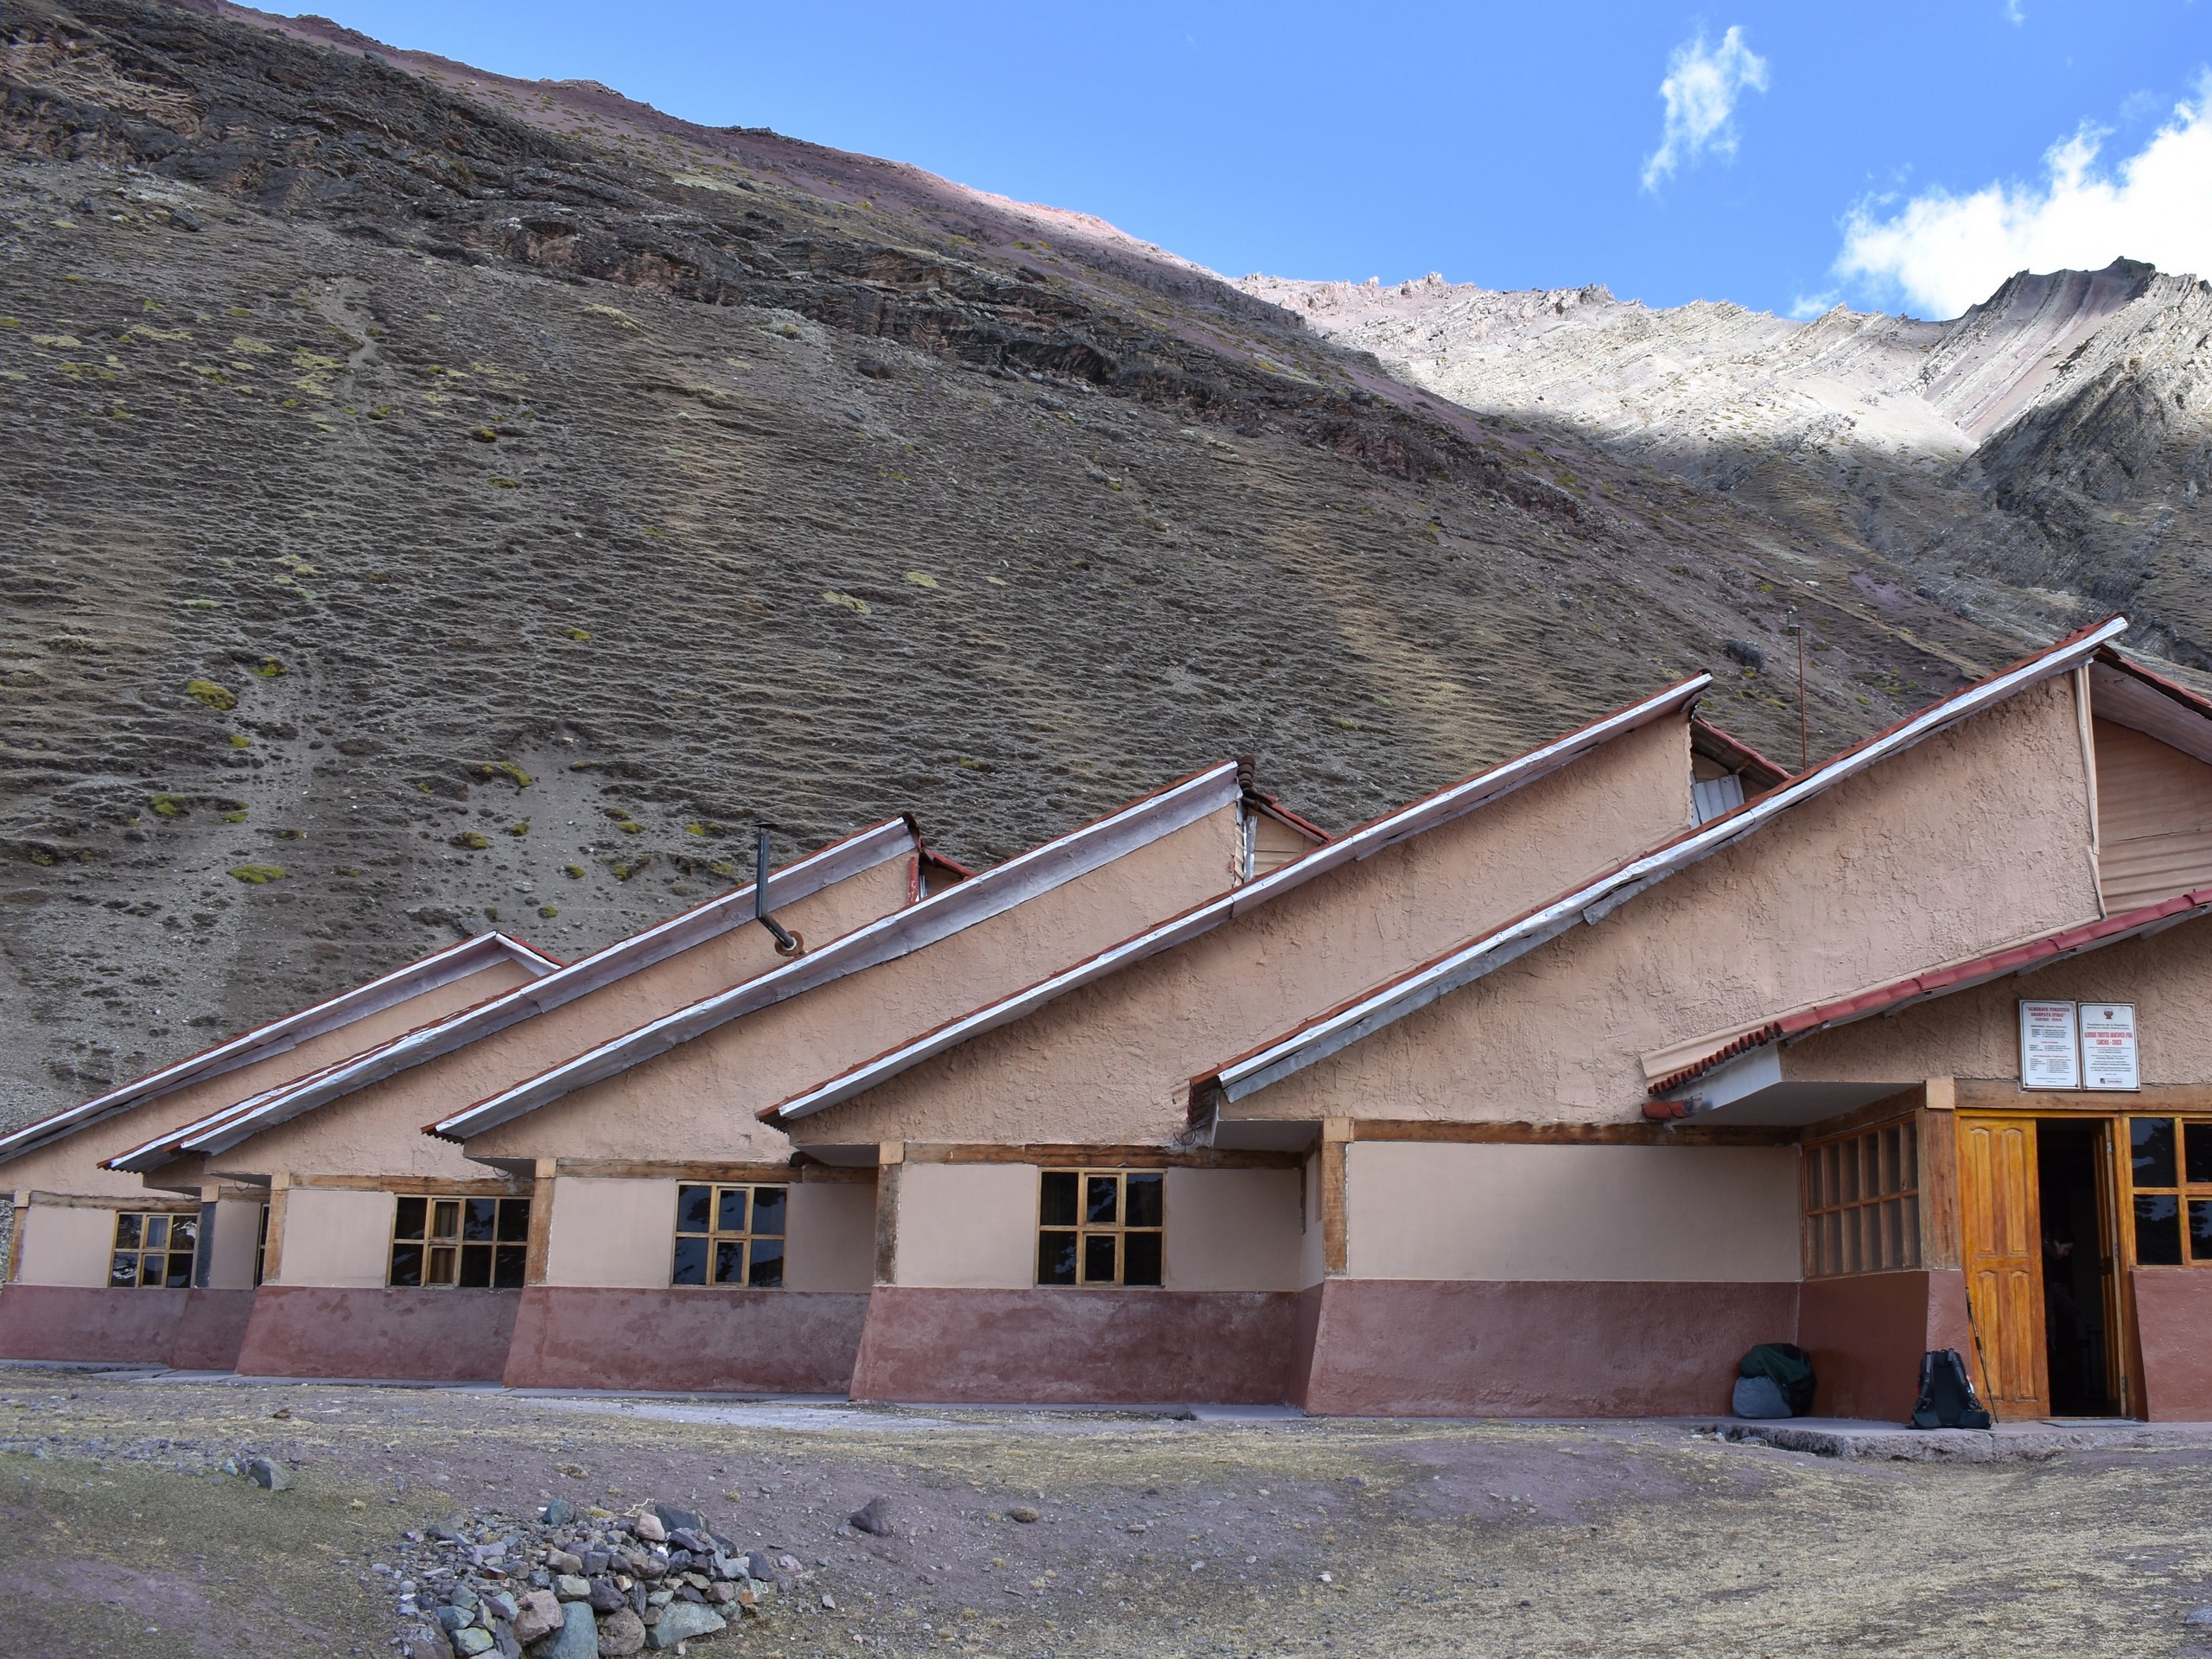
(1941, 981)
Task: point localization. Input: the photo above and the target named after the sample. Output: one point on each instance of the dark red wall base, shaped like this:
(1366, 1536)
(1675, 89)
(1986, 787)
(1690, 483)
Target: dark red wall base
(2173, 1321)
(711, 1339)
(1075, 1347)
(92, 1325)
(1444, 1348)
(426, 1335)
(1867, 1333)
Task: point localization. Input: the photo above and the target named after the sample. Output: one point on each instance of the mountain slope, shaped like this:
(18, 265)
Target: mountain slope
(440, 498)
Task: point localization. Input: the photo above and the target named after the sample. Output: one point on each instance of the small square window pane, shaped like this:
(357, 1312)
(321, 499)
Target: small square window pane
(2158, 1230)
(1101, 1200)
(768, 1207)
(440, 1270)
(1056, 1201)
(1056, 1253)
(2153, 1150)
(514, 1221)
(476, 1267)
(729, 1209)
(184, 1233)
(407, 1264)
(2197, 1138)
(1141, 1258)
(445, 1218)
(407, 1219)
(179, 1273)
(479, 1220)
(122, 1271)
(694, 1208)
(690, 1267)
(149, 1266)
(127, 1233)
(767, 1267)
(508, 1261)
(730, 1262)
(2200, 1229)
(1098, 1258)
(157, 1232)
(1145, 1201)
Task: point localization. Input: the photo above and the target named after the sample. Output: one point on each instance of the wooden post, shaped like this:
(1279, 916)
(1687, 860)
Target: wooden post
(891, 1163)
(1939, 1177)
(541, 1223)
(1336, 1138)
(272, 1260)
(18, 1212)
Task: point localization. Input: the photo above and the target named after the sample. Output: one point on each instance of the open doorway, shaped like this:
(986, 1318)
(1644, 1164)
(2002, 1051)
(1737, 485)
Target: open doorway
(2078, 1300)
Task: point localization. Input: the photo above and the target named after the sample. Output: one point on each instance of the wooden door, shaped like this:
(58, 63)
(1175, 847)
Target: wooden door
(2000, 1247)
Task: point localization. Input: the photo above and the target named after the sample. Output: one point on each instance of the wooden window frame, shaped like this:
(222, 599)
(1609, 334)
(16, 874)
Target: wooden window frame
(1082, 1229)
(714, 1240)
(446, 1256)
(170, 1222)
(1851, 1227)
(2187, 1189)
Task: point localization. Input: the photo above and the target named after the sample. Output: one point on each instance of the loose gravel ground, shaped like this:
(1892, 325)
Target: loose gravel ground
(1152, 1535)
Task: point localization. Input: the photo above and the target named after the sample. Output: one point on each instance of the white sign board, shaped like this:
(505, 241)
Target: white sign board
(2108, 1045)
(2050, 1057)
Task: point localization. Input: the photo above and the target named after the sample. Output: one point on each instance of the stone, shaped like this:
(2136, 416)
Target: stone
(873, 1518)
(596, 1561)
(648, 1527)
(572, 1586)
(1022, 1513)
(578, 1637)
(538, 1614)
(758, 1567)
(559, 1512)
(501, 1604)
(605, 1598)
(451, 1618)
(469, 1640)
(621, 1632)
(678, 1520)
(682, 1620)
(269, 1475)
(2198, 1616)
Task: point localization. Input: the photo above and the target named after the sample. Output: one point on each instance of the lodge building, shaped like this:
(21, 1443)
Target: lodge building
(1548, 1094)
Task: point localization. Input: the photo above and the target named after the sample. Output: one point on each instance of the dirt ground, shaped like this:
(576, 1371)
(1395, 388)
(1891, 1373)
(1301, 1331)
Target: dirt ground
(119, 1535)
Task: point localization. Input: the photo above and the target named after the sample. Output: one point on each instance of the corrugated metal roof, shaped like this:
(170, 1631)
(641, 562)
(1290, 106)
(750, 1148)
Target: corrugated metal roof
(2021, 958)
(1317, 1038)
(332, 1013)
(1039, 870)
(221, 1130)
(1446, 805)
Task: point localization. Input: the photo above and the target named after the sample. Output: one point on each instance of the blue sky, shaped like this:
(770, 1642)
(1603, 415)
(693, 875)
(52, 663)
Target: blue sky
(1884, 153)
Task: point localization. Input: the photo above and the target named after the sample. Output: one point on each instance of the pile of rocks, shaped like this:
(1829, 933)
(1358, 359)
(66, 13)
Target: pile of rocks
(570, 1585)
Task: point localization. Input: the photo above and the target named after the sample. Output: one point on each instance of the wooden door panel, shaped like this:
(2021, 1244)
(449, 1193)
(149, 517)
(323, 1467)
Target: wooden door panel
(2001, 1249)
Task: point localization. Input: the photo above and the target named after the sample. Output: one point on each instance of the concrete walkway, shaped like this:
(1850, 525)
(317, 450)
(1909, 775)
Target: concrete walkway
(2030, 1442)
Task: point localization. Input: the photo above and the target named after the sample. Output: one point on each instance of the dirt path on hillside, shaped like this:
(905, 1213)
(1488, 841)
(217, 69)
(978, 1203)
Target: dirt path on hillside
(120, 1535)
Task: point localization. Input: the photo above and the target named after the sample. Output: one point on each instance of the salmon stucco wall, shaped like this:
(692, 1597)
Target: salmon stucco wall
(64, 1244)
(966, 1226)
(1112, 1061)
(376, 1130)
(1971, 840)
(702, 1094)
(1719, 1214)
(72, 1165)
(2173, 1325)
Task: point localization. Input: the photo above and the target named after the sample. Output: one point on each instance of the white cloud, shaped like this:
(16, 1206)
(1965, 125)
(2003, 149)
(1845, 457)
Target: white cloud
(1702, 85)
(1943, 253)
(2013, 15)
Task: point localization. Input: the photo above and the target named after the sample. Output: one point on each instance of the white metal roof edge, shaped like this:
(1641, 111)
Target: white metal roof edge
(1429, 812)
(1039, 870)
(440, 967)
(1594, 901)
(221, 1131)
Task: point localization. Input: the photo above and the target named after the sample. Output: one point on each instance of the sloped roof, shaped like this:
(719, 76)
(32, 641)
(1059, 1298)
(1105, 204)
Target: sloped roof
(976, 899)
(220, 1131)
(1443, 807)
(427, 974)
(1384, 1005)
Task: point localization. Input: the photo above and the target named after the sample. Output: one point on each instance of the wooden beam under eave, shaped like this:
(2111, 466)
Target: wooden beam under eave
(1336, 1244)
(1939, 1179)
(540, 1222)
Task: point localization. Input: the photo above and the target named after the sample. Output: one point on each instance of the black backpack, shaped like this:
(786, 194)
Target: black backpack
(1791, 1369)
(1947, 1398)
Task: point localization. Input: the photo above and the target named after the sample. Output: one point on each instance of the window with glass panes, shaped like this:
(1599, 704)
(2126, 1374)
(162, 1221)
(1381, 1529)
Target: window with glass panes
(730, 1236)
(472, 1243)
(1862, 1202)
(153, 1250)
(2170, 1173)
(1100, 1226)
